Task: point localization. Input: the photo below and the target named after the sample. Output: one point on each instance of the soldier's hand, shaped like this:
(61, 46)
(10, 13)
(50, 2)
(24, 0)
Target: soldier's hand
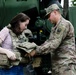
(27, 55)
(11, 55)
(32, 53)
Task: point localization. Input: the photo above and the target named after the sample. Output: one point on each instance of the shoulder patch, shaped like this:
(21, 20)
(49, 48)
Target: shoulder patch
(60, 29)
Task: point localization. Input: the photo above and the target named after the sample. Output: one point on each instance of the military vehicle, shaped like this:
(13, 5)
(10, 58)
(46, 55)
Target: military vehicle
(39, 26)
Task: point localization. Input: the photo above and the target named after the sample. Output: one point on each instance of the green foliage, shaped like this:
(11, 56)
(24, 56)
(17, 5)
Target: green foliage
(73, 2)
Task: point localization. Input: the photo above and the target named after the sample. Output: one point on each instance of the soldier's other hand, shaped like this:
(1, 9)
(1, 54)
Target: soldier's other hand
(32, 53)
(27, 55)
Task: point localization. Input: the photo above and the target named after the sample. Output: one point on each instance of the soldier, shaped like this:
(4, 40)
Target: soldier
(9, 37)
(61, 43)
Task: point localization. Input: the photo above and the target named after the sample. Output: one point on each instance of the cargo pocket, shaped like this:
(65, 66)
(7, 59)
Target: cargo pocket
(4, 61)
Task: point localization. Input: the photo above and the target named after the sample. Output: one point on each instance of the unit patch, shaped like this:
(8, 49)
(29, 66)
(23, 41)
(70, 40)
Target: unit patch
(59, 30)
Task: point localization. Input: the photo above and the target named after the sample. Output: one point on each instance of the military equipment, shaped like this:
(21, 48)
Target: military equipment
(18, 59)
(27, 46)
(4, 60)
(37, 62)
(28, 33)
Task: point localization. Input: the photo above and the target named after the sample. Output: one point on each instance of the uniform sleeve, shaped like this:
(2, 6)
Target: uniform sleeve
(3, 33)
(54, 41)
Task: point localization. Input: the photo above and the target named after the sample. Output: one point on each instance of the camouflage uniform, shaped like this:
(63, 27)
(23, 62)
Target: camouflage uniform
(61, 45)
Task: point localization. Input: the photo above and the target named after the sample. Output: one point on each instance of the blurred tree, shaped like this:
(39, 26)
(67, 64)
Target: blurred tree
(73, 2)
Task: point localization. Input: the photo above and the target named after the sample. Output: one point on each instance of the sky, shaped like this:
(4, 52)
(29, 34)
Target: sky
(63, 1)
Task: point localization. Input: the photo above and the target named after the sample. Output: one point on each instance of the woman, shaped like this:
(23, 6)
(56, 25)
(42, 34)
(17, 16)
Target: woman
(9, 36)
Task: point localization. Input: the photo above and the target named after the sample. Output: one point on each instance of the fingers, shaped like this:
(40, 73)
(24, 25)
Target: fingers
(32, 53)
(27, 55)
(13, 57)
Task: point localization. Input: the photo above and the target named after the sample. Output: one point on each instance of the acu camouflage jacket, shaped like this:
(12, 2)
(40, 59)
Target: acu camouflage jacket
(61, 43)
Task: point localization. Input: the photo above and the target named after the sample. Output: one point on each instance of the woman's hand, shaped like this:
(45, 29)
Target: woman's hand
(11, 55)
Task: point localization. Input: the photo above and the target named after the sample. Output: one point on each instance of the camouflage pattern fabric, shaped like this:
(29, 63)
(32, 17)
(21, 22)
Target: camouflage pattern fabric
(18, 59)
(21, 44)
(28, 33)
(4, 60)
(7, 62)
(69, 69)
(20, 39)
(51, 8)
(61, 45)
(37, 62)
(27, 46)
(16, 40)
